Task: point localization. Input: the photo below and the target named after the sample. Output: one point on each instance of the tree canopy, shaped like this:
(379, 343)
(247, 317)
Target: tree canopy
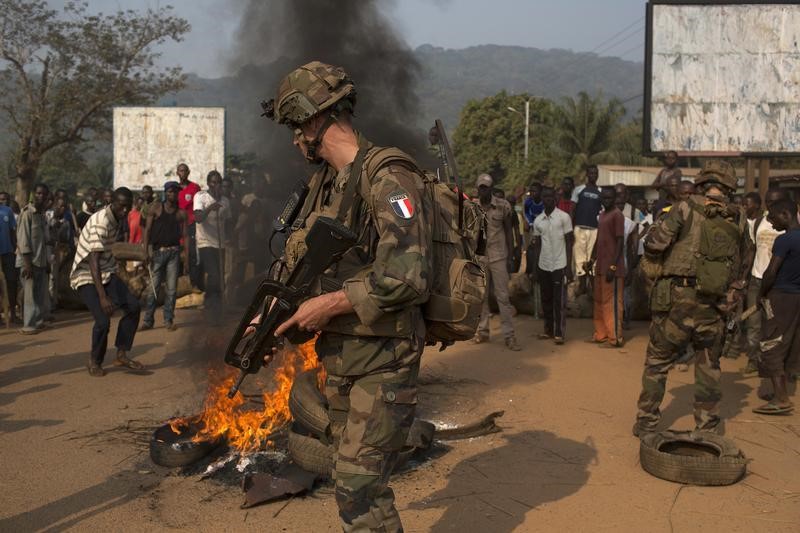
(490, 138)
(565, 137)
(62, 72)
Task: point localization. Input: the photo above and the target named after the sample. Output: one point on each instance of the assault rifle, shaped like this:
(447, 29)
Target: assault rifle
(327, 241)
(437, 136)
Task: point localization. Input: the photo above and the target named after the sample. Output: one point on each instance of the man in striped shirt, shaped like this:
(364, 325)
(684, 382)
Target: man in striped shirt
(93, 276)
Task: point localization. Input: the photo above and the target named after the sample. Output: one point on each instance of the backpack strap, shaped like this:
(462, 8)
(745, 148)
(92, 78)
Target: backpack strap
(373, 161)
(351, 188)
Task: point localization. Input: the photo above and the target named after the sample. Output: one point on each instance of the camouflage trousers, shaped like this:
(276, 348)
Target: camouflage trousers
(370, 415)
(690, 321)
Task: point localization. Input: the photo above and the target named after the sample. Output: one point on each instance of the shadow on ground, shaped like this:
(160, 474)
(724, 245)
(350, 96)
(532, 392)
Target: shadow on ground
(71, 510)
(58, 363)
(735, 390)
(492, 491)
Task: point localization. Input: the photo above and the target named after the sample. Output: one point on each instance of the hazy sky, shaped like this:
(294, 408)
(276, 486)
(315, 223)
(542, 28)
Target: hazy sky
(580, 25)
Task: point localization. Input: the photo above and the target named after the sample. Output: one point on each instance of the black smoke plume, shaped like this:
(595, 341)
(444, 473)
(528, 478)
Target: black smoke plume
(277, 36)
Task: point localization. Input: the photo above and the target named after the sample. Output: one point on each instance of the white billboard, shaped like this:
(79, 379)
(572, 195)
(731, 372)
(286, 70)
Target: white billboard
(723, 78)
(150, 142)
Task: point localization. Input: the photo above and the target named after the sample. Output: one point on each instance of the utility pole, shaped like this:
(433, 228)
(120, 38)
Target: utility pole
(527, 117)
(527, 127)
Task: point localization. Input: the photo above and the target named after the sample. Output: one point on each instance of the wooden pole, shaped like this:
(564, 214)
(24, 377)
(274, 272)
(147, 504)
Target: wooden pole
(749, 175)
(763, 179)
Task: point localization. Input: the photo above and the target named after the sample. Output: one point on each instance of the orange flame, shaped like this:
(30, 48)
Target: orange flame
(246, 429)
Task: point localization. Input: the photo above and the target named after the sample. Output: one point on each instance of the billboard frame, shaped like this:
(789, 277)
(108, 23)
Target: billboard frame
(224, 137)
(648, 78)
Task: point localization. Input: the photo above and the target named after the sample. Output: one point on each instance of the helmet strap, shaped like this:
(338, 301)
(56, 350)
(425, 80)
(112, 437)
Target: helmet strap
(312, 147)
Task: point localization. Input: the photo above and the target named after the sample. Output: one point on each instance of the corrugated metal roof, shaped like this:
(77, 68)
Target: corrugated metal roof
(634, 176)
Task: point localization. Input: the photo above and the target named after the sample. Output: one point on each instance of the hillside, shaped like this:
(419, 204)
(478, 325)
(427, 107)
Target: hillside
(447, 80)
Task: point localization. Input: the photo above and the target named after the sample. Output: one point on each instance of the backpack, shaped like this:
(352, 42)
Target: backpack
(717, 251)
(458, 284)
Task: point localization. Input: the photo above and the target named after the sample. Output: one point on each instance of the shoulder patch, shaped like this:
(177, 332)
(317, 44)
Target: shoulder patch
(402, 205)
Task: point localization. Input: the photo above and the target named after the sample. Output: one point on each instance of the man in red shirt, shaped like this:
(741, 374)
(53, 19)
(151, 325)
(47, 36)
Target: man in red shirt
(186, 203)
(135, 221)
(565, 202)
(609, 272)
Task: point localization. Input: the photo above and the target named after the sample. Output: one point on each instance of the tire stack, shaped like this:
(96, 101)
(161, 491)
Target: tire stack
(310, 444)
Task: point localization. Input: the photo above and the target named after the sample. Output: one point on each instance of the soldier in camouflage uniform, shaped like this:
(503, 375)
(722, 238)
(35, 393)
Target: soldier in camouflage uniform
(368, 312)
(682, 315)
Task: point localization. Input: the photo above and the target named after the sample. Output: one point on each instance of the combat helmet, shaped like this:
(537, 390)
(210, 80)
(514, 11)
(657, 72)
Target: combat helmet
(309, 90)
(718, 171)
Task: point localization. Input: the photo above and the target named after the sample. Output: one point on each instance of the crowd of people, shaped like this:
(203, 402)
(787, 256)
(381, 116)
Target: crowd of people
(50, 247)
(699, 252)
(591, 240)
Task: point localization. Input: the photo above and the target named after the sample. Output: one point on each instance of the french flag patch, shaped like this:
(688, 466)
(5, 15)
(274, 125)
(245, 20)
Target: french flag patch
(402, 206)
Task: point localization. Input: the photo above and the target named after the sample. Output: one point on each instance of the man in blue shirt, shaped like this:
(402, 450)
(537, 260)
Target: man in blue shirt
(780, 297)
(8, 243)
(587, 210)
(533, 203)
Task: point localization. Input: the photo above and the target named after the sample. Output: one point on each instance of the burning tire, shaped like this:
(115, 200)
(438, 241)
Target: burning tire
(309, 453)
(695, 458)
(309, 410)
(170, 449)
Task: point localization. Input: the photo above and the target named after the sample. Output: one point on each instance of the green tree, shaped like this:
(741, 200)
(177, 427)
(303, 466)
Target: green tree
(491, 138)
(61, 73)
(585, 130)
(626, 145)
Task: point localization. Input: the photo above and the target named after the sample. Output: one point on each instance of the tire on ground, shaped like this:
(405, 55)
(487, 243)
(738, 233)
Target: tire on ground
(694, 458)
(167, 449)
(309, 409)
(308, 406)
(309, 453)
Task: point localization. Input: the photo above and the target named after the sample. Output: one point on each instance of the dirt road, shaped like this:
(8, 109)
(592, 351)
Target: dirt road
(74, 453)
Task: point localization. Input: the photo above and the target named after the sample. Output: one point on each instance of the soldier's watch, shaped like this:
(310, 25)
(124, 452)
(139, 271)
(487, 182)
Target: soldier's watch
(613, 268)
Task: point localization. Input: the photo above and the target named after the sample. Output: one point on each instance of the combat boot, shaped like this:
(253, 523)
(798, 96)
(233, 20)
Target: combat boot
(639, 431)
(512, 344)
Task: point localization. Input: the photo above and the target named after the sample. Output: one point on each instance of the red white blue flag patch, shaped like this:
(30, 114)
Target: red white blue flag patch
(402, 206)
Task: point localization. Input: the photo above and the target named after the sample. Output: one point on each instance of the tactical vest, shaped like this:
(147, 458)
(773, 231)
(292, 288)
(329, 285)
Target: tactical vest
(707, 248)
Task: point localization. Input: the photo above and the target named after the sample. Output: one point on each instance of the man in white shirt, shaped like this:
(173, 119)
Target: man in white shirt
(764, 235)
(211, 213)
(628, 210)
(552, 256)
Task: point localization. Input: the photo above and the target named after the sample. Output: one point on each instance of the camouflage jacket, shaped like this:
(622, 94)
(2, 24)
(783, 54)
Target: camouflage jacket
(675, 238)
(386, 275)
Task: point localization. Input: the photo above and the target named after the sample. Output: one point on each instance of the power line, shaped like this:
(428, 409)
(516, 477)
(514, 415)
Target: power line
(623, 30)
(619, 42)
(631, 98)
(629, 50)
(565, 78)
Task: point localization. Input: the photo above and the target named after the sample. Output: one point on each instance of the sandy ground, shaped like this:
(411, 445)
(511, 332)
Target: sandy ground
(565, 460)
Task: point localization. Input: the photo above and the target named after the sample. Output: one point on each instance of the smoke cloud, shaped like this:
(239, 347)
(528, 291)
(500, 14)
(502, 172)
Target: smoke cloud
(277, 36)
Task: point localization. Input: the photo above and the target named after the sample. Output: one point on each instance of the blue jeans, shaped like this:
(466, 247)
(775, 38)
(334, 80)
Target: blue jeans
(164, 267)
(123, 300)
(35, 306)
